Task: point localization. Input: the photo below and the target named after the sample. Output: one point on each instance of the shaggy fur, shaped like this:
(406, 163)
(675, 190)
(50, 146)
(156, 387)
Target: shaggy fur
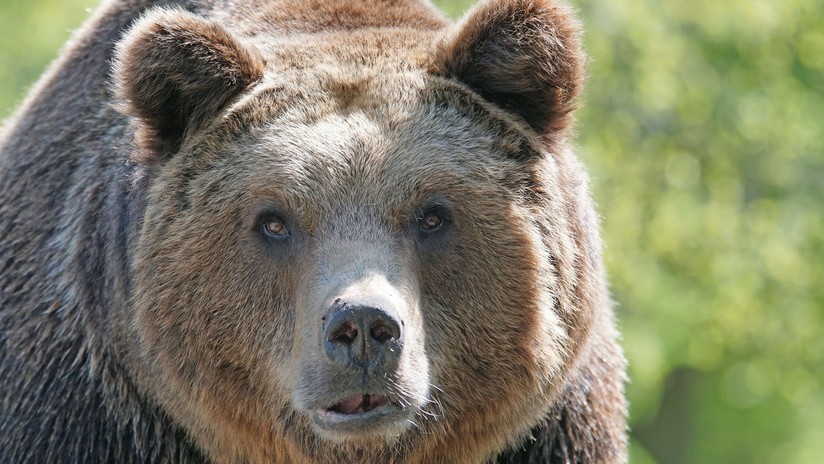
(146, 317)
(522, 55)
(177, 71)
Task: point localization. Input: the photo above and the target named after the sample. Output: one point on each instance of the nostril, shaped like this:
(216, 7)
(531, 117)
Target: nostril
(345, 334)
(382, 332)
(363, 337)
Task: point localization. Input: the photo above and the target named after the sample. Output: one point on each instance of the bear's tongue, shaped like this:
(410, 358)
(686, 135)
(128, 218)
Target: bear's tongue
(359, 404)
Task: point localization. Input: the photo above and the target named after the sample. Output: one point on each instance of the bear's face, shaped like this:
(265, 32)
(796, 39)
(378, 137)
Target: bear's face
(346, 262)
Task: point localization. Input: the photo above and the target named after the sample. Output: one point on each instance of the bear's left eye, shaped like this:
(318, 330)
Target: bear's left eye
(432, 219)
(430, 222)
(275, 227)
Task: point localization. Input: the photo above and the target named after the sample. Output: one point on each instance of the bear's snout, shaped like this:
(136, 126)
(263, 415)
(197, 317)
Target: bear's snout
(363, 335)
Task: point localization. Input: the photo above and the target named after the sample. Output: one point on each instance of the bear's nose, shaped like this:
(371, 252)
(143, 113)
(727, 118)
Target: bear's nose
(363, 336)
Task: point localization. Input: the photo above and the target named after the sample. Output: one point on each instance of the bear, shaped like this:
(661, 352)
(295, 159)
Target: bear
(402, 262)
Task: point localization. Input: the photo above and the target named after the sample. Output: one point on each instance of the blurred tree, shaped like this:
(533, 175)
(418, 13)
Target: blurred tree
(703, 126)
(33, 32)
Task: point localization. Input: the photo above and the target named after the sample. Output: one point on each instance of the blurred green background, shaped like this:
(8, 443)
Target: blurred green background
(703, 126)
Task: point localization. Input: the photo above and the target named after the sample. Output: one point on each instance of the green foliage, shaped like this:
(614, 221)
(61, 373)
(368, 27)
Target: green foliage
(33, 32)
(703, 126)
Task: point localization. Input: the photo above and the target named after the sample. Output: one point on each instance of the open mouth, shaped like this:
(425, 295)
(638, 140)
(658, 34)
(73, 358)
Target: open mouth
(361, 415)
(359, 404)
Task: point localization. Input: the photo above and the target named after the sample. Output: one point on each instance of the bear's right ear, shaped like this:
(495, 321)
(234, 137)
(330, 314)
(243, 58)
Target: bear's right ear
(174, 71)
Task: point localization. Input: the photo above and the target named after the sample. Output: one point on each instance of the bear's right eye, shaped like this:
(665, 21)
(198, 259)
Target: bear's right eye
(275, 227)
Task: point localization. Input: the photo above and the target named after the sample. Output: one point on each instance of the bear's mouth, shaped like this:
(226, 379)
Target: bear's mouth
(360, 404)
(360, 416)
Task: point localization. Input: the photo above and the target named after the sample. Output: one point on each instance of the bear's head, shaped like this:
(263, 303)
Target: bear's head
(364, 246)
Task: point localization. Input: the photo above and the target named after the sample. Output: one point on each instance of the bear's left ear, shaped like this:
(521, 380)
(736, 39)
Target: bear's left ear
(524, 56)
(174, 71)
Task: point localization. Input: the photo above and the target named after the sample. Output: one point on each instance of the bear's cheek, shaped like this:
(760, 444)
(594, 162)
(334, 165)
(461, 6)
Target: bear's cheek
(213, 317)
(487, 308)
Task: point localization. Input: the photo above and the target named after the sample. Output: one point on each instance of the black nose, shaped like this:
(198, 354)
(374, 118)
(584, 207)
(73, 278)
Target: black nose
(363, 336)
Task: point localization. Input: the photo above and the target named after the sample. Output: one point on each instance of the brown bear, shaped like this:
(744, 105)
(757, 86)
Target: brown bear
(300, 231)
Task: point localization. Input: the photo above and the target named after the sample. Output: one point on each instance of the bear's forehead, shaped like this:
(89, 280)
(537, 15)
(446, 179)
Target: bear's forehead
(391, 140)
(356, 157)
(332, 116)
(343, 142)
(360, 141)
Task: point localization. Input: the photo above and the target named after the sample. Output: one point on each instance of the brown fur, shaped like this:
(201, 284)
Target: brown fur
(522, 55)
(178, 71)
(145, 317)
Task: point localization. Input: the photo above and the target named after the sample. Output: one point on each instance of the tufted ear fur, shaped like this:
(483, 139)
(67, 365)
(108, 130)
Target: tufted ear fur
(523, 55)
(174, 71)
